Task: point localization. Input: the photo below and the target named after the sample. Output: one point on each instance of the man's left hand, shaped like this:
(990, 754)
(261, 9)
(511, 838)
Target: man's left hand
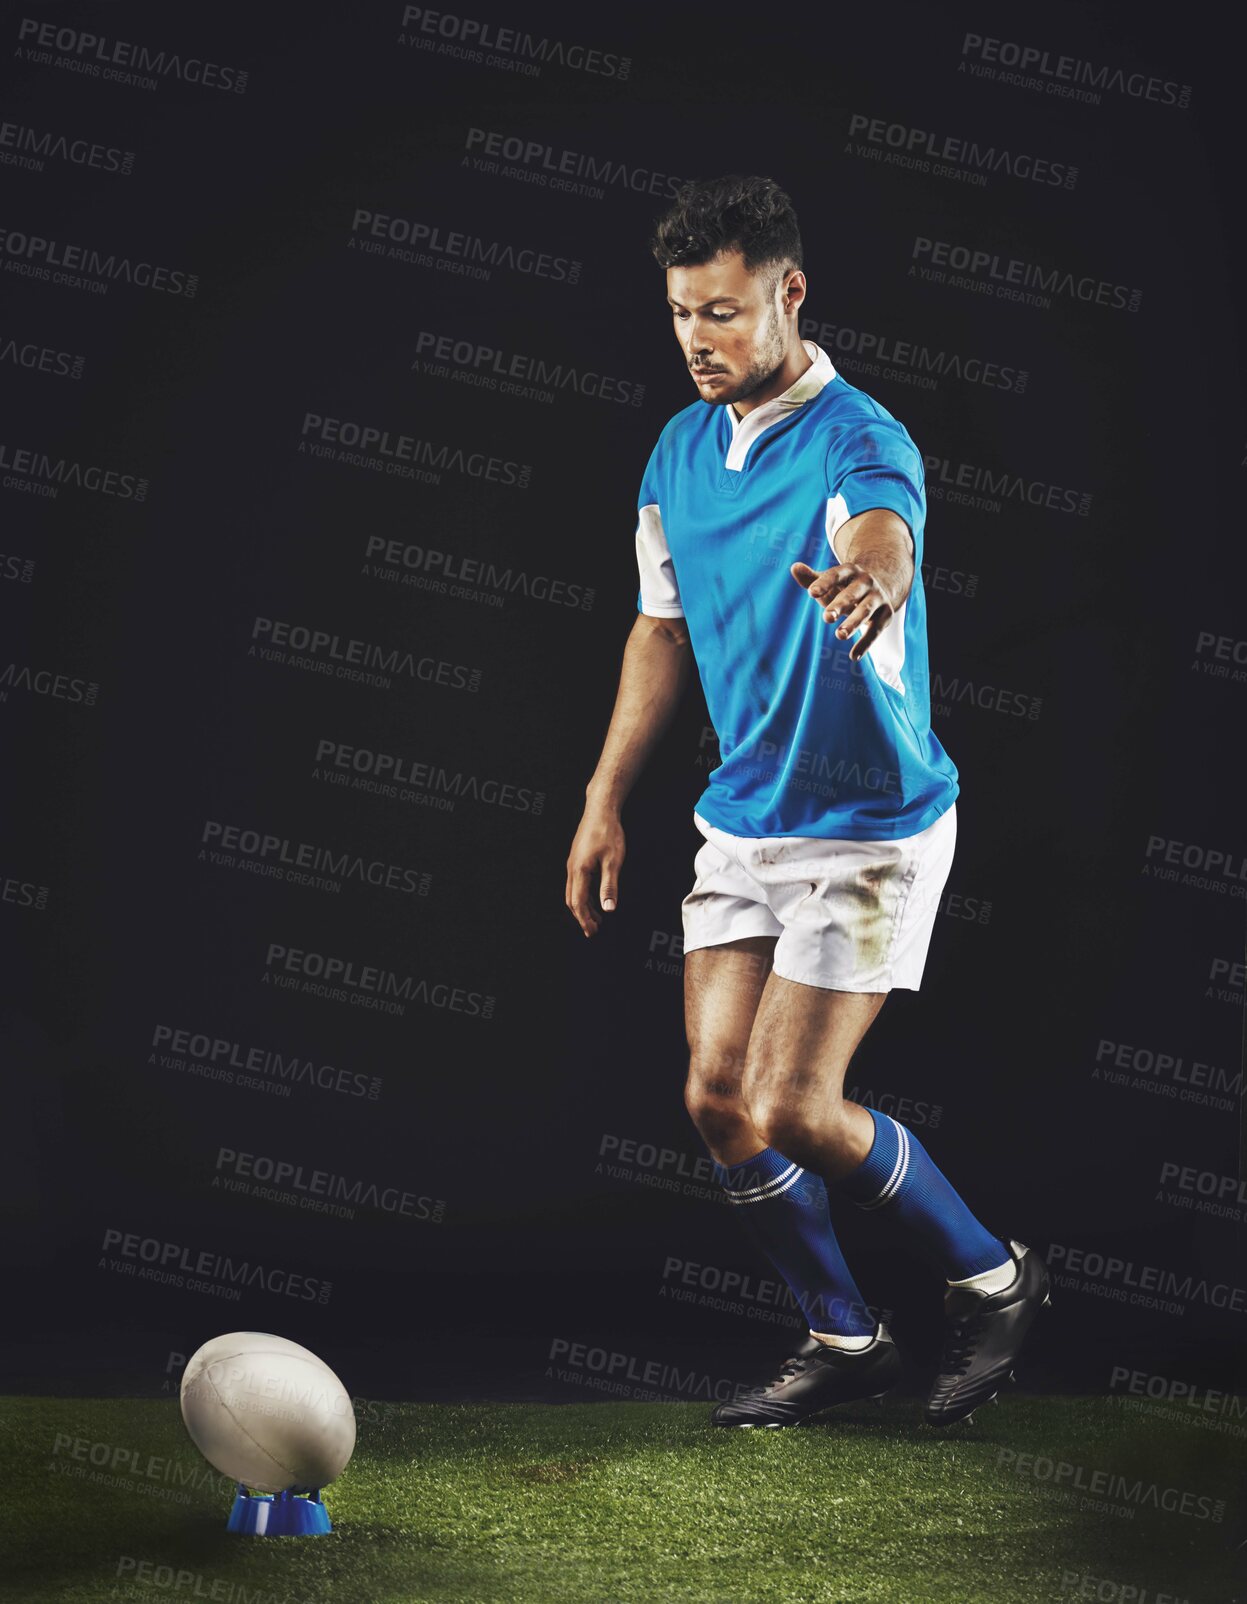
(853, 594)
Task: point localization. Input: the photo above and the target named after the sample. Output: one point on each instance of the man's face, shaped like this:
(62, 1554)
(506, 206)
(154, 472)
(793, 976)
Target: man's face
(730, 324)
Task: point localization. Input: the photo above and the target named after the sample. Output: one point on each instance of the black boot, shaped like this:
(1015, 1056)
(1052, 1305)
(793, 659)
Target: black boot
(983, 1337)
(814, 1378)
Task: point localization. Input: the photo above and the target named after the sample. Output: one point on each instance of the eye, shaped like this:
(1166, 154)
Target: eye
(719, 317)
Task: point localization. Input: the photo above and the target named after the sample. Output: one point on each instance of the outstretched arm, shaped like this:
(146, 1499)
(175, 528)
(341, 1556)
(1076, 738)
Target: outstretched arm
(870, 585)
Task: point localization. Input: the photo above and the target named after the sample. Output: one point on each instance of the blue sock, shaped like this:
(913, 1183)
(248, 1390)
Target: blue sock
(784, 1209)
(899, 1178)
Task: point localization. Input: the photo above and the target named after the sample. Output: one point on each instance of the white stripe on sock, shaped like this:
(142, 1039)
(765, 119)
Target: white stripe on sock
(899, 1170)
(760, 1194)
(894, 1185)
(753, 1191)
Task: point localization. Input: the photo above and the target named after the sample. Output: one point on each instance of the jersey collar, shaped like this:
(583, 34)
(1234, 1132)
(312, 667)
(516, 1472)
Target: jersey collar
(745, 430)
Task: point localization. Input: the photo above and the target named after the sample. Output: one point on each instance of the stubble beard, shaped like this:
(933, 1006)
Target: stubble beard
(761, 371)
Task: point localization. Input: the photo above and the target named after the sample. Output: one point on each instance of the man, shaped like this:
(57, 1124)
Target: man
(829, 825)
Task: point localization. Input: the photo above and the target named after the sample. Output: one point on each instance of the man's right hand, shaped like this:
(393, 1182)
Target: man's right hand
(597, 848)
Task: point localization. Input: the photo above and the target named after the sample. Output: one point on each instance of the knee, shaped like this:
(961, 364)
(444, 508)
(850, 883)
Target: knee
(712, 1095)
(812, 1131)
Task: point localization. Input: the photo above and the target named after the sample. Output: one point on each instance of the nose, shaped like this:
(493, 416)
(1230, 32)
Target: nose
(697, 342)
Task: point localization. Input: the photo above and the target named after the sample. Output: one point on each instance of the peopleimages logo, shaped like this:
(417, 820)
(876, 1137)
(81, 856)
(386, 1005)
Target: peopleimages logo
(1013, 279)
(1131, 1490)
(1114, 1590)
(23, 893)
(32, 148)
(1191, 864)
(343, 980)
(227, 1059)
(400, 775)
(516, 373)
(806, 768)
(1069, 77)
(1220, 656)
(366, 445)
(99, 57)
(123, 1465)
(33, 256)
(38, 473)
(925, 151)
(1207, 1191)
(907, 362)
(1200, 1405)
(35, 358)
(343, 657)
(20, 569)
(540, 163)
(452, 250)
(1164, 1074)
(947, 691)
(43, 682)
(468, 39)
(286, 858)
(731, 1291)
(171, 1263)
(608, 1370)
(317, 1190)
(952, 480)
(466, 578)
(1149, 1285)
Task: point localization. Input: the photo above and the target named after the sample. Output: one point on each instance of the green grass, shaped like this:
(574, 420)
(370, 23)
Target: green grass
(622, 1504)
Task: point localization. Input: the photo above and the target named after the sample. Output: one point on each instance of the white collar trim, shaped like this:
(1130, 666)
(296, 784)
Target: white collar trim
(747, 429)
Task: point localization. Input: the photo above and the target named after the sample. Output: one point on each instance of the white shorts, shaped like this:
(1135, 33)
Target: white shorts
(849, 915)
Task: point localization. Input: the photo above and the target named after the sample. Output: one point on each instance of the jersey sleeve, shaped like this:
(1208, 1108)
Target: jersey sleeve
(659, 595)
(875, 464)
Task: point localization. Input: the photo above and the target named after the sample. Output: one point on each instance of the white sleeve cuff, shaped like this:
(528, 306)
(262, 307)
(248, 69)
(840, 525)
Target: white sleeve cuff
(660, 593)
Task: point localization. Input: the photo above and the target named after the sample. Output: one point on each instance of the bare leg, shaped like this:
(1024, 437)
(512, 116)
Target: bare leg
(722, 988)
(802, 1042)
(845, 1356)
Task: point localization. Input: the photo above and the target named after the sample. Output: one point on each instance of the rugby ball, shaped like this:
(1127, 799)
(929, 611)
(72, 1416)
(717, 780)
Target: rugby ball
(267, 1412)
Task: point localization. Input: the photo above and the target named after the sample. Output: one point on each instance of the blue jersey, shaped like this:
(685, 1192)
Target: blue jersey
(810, 743)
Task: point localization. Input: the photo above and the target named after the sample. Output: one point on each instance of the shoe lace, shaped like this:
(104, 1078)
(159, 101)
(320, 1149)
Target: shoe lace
(792, 1367)
(959, 1344)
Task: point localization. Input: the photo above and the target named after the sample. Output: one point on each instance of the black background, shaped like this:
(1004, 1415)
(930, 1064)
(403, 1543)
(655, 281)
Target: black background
(1053, 939)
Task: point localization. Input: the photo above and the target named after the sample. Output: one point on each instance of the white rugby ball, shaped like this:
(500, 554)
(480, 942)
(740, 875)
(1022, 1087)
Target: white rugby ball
(267, 1413)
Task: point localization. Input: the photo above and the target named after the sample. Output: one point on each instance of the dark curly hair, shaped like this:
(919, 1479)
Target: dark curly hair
(736, 212)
